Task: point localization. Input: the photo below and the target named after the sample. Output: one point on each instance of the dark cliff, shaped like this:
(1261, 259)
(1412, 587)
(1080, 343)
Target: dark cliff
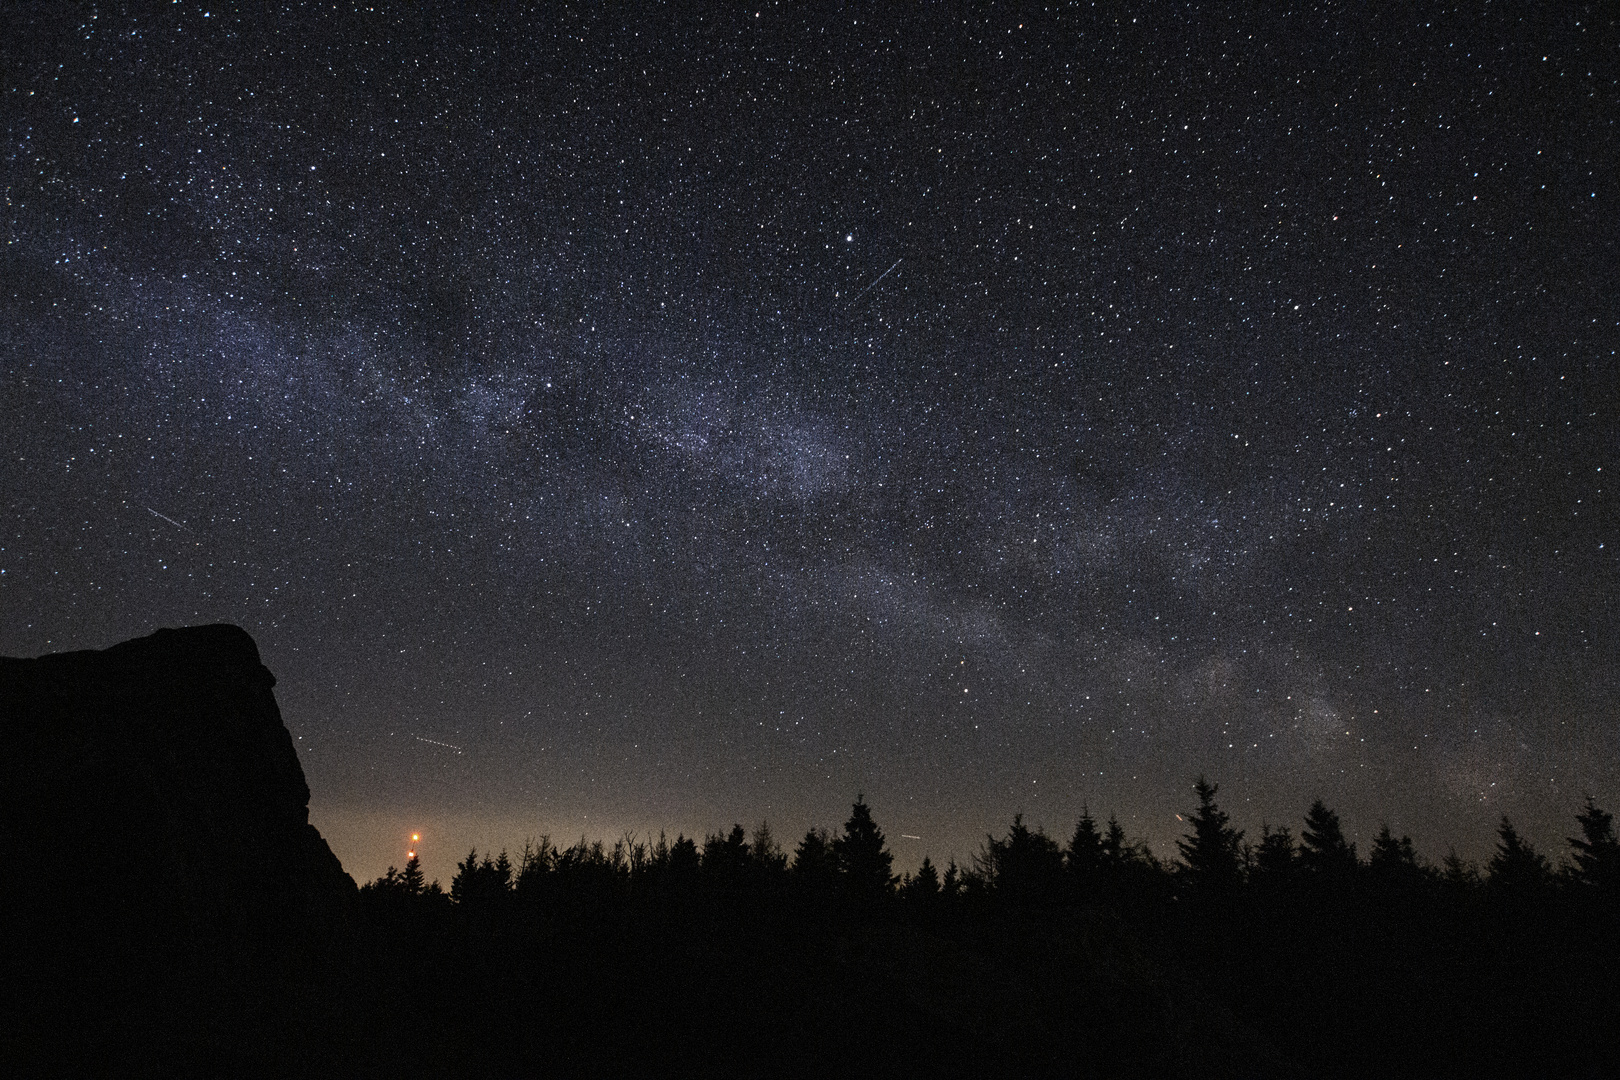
(152, 788)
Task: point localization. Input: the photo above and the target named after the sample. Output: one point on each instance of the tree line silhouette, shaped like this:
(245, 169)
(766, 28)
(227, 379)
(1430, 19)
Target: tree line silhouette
(1025, 870)
(1278, 955)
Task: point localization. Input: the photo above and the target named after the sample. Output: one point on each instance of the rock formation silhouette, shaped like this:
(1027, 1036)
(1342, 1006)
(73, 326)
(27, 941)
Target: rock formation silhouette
(151, 789)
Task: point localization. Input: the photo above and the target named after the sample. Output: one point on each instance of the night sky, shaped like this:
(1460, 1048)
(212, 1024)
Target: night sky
(620, 420)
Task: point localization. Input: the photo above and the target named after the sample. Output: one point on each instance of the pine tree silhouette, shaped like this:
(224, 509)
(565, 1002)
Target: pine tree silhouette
(921, 890)
(1458, 874)
(950, 886)
(1212, 853)
(815, 867)
(481, 884)
(1323, 851)
(410, 879)
(1084, 858)
(1393, 863)
(765, 853)
(1516, 865)
(684, 863)
(1024, 868)
(1116, 851)
(1275, 857)
(1597, 853)
(725, 858)
(532, 879)
(863, 858)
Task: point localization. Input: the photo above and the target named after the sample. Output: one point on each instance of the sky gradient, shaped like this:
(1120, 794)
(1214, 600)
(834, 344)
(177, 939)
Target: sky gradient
(615, 422)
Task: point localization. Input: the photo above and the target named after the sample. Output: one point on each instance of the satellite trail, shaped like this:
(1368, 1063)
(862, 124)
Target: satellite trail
(175, 523)
(436, 742)
(875, 280)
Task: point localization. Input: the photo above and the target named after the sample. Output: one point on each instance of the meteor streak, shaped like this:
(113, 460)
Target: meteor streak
(875, 280)
(177, 525)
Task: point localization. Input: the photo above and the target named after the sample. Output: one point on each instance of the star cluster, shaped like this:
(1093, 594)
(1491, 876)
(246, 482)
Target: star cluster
(618, 421)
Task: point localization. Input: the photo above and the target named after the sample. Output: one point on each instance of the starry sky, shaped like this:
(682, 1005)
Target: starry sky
(635, 418)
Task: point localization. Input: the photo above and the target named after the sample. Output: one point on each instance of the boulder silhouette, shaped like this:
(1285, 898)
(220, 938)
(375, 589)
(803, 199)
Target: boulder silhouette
(151, 790)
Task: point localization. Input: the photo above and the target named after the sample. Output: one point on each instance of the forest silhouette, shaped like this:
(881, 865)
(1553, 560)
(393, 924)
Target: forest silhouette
(172, 912)
(1269, 956)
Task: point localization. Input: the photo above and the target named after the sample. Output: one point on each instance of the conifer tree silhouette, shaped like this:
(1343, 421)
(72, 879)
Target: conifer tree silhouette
(815, 866)
(863, 858)
(921, 890)
(1457, 873)
(532, 878)
(684, 863)
(1026, 867)
(410, 879)
(765, 853)
(403, 890)
(1212, 853)
(1597, 853)
(1393, 859)
(463, 883)
(950, 886)
(725, 858)
(1516, 866)
(481, 883)
(384, 889)
(1084, 858)
(1323, 851)
(503, 871)
(1116, 851)
(1275, 857)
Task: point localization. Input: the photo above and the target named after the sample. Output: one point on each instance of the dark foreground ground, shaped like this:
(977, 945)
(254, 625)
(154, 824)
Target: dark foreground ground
(713, 985)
